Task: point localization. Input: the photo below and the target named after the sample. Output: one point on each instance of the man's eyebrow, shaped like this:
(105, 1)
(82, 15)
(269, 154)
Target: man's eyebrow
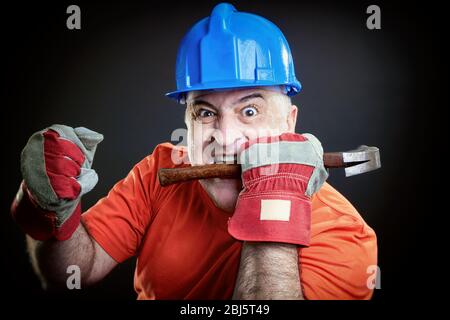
(196, 102)
(249, 97)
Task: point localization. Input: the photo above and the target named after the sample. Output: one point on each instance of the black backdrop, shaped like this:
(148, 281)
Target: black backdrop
(360, 86)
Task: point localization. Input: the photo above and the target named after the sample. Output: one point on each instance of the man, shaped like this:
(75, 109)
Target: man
(279, 232)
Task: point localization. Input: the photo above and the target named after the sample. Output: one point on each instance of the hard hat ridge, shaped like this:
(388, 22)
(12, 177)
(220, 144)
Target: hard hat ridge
(232, 49)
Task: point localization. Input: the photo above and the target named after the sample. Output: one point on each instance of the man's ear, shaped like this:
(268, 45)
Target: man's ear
(292, 118)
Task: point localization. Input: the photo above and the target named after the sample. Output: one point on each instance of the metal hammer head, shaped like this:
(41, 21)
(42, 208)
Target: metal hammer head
(363, 159)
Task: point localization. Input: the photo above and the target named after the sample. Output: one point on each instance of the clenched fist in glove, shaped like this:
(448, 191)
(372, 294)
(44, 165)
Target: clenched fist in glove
(279, 174)
(56, 168)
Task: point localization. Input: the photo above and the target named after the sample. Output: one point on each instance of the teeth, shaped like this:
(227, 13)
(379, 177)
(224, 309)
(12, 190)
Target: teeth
(226, 159)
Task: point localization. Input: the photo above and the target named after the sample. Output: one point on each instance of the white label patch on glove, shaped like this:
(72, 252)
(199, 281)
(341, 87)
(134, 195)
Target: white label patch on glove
(275, 210)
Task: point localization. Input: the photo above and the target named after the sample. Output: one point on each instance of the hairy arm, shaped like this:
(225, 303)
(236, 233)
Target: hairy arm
(268, 270)
(51, 258)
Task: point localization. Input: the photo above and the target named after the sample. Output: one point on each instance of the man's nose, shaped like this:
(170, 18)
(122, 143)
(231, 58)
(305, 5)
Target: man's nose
(228, 134)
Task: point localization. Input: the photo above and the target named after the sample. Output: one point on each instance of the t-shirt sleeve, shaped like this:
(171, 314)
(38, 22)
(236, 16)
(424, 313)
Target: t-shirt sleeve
(339, 261)
(118, 221)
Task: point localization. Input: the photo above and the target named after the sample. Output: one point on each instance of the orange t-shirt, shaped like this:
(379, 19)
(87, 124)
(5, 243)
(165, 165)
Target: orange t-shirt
(184, 251)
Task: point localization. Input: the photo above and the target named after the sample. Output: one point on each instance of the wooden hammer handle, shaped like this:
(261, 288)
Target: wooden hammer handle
(175, 175)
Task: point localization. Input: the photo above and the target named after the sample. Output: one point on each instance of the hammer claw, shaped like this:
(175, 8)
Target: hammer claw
(365, 158)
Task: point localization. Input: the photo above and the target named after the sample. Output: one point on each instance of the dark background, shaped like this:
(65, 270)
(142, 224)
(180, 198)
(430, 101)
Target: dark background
(360, 86)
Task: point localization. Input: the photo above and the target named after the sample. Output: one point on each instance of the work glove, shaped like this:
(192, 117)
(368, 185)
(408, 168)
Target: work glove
(56, 169)
(279, 176)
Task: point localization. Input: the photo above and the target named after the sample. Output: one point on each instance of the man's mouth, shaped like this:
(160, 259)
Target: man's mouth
(228, 159)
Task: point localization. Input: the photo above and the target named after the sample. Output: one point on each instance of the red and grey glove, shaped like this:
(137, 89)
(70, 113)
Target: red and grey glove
(279, 175)
(56, 168)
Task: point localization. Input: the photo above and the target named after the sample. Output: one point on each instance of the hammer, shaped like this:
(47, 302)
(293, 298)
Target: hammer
(360, 160)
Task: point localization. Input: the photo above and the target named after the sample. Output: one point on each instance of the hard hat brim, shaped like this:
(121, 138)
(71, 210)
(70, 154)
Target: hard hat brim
(291, 88)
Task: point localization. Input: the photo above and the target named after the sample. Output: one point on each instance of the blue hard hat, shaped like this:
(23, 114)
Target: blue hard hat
(232, 49)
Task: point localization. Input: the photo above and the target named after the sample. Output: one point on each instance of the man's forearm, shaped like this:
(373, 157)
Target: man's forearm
(268, 270)
(51, 258)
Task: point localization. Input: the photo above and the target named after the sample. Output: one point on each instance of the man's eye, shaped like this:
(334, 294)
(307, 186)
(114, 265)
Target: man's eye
(249, 111)
(204, 113)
